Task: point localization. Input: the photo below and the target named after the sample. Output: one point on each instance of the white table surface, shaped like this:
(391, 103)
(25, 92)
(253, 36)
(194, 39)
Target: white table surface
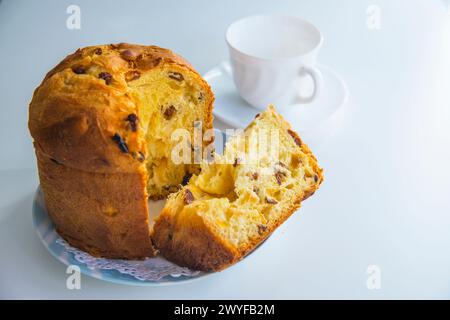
(386, 197)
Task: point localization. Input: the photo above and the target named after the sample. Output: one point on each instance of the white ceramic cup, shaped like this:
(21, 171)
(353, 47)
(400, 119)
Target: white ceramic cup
(271, 57)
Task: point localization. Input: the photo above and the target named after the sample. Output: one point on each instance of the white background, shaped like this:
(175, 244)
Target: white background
(386, 197)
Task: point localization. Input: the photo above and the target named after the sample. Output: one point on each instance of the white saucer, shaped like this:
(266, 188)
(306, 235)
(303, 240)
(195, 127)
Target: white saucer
(307, 119)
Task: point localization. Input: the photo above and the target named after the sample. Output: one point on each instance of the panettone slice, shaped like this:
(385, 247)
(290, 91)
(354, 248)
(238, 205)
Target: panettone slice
(103, 122)
(241, 198)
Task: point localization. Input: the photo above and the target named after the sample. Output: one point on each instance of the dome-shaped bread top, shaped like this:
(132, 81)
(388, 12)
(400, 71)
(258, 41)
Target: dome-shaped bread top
(84, 109)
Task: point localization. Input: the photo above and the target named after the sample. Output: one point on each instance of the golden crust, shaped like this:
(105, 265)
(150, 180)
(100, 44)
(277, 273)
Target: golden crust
(198, 247)
(96, 193)
(72, 117)
(141, 58)
(104, 214)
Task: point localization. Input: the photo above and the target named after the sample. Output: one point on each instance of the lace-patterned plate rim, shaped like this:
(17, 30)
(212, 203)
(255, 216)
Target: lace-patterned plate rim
(150, 272)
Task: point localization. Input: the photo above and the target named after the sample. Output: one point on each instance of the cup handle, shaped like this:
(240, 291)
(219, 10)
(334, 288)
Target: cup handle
(317, 78)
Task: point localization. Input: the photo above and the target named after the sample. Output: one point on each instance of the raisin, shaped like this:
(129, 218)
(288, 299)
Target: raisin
(295, 137)
(140, 156)
(279, 176)
(201, 96)
(169, 112)
(132, 121)
(236, 162)
(176, 76)
(122, 144)
(316, 178)
(271, 200)
(188, 197)
(55, 161)
(186, 178)
(152, 62)
(79, 69)
(257, 115)
(255, 175)
(170, 188)
(98, 51)
(132, 75)
(105, 76)
(129, 55)
(261, 228)
(281, 164)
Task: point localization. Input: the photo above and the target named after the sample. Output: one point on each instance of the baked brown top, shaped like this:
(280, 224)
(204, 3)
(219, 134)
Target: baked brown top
(83, 108)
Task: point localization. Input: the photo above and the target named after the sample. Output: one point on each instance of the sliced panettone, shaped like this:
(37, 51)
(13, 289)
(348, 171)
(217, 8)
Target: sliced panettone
(102, 122)
(239, 199)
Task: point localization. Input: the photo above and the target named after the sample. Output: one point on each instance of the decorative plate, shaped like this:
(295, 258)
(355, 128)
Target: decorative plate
(149, 272)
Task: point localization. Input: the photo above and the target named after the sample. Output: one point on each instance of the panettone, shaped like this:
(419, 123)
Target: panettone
(239, 199)
(102, 122)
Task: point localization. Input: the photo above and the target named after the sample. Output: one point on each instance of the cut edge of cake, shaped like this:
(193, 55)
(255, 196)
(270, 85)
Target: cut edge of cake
(189, 230)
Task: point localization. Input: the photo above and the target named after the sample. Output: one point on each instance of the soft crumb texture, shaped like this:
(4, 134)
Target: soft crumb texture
(102, 121)
(169, 98)
(237, 201)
